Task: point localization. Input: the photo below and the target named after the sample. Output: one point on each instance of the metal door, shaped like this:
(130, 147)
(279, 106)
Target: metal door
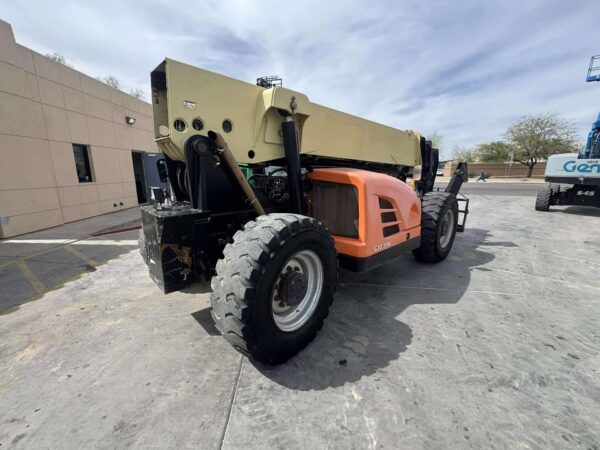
(155, 171)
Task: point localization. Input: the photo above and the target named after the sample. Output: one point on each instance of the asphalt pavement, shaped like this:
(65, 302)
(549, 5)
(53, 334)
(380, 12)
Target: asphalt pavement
(34, 263)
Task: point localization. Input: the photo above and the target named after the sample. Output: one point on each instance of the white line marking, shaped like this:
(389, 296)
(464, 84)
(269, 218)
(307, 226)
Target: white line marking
(107, 242)
(73, 241)
(39, 241)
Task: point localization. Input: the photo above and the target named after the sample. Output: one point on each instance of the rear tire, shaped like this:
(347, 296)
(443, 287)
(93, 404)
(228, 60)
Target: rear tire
(276, 257)
(542, 201)
(439, 217)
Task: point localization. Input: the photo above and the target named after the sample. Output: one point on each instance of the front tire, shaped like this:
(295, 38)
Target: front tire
(439, 217)
(274, 286)
(542, 200)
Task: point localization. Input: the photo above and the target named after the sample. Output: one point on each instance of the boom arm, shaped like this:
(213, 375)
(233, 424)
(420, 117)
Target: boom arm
(189, 101)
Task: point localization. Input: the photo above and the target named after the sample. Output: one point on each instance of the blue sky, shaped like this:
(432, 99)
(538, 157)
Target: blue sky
(464, 69)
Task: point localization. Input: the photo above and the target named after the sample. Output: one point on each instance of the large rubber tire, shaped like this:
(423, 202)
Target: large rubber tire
(435, 245)
(542, 201)
(242, 288)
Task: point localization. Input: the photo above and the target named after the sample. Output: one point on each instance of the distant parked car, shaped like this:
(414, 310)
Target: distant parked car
(440, 173)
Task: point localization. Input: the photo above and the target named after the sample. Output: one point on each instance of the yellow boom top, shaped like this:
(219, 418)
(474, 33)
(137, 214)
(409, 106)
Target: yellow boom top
(188, 100)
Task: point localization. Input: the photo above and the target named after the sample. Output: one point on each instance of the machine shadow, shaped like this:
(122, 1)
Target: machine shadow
(363, 333)
(198, 288)
(589, 211)
(205, 320)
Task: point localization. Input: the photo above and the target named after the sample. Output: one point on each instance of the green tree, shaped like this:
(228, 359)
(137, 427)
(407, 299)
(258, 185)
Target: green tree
(537, 137)
(464, 154)
(493, 152)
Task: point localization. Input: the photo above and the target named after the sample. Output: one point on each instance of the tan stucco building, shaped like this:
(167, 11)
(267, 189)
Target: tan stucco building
(67, 142)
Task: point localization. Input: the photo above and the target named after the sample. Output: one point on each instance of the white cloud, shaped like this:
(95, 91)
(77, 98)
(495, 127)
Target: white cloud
(464, 69)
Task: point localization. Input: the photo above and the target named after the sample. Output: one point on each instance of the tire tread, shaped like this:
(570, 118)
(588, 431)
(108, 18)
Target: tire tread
(239, 271)
(542, 200)
(433, 204)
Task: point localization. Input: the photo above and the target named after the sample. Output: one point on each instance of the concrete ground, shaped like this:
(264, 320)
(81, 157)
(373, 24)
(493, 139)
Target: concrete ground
(499, 179)
(496, 347)
(503, 189)
(33, 263)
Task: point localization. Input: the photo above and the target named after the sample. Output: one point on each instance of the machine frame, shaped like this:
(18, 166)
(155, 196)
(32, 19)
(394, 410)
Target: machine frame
(269, 192)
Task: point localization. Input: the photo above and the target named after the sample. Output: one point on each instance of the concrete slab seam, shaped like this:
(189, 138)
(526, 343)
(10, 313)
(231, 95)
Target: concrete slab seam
(548, 279)
(233, 397)
(392, 286)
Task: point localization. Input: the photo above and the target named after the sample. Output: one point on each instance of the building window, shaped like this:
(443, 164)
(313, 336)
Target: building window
(82, 163)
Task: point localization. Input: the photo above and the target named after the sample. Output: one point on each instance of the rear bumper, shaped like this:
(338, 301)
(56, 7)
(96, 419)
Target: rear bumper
(166, 245)
(181, 245)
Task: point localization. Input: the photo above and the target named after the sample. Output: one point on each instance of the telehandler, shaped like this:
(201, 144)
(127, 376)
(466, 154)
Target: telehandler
(270, 193)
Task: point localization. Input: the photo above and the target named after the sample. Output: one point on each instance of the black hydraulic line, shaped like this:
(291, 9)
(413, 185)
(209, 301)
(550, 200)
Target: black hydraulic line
(292, 158)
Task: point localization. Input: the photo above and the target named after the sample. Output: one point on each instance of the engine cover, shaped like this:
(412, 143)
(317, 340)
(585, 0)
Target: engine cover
(373, 217)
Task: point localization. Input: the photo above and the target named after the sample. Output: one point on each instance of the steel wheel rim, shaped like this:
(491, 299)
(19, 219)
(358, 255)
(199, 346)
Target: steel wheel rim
(289, 318)
(447, 228)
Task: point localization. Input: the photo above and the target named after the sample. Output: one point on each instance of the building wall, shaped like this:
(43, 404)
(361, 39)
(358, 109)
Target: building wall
(45, 107)
(516, 170)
